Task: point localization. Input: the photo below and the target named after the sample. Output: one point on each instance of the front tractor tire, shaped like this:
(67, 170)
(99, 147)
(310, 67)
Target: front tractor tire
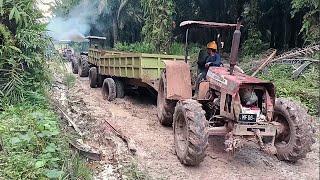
(190, 132)
(164, 105)
(296, 137)
(83, 66)
(109, 89)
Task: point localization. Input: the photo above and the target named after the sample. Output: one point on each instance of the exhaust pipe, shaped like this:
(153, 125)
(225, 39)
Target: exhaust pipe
(235, 46)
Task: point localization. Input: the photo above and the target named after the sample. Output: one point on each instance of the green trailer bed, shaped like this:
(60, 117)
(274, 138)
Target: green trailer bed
(135, 67)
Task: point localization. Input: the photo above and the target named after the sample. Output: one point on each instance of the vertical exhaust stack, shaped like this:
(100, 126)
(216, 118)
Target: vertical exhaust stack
(235, 46)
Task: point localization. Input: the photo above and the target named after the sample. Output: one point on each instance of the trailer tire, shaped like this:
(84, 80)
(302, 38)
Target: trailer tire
(165, 106)
(93, 77)
(109, 89)
(74, 65)
(296, 139)
(100, 79)
(83, 66)
(119, 88)
(190, 132)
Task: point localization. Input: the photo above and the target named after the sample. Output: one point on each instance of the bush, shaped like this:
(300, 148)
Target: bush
(33, 147)
(253, 45)
(304, 89)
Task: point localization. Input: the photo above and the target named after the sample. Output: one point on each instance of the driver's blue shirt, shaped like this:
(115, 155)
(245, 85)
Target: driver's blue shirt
(214, 60)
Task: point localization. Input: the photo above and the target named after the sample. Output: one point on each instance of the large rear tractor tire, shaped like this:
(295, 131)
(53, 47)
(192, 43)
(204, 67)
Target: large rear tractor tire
(93, 77)
(190, 132)
(119, 88)
(296, 137)
(74, 65)
(83, 66)
(109, 89)
(165, 106)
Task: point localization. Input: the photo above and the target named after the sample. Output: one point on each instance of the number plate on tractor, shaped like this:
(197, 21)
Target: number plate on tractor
(248, 118)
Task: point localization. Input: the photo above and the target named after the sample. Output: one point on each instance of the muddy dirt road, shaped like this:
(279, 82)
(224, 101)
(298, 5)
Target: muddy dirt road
(136, 117)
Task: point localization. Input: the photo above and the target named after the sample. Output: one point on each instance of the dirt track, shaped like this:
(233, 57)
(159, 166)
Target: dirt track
(136, 117)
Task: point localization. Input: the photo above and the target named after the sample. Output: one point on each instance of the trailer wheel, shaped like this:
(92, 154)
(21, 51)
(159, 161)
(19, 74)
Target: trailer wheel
(74, 65)
(296, 137)
(119, 88)
(93, 77)
(165, 106)
(83, 67)
(190, 132)
(109, 89)
(100, 79)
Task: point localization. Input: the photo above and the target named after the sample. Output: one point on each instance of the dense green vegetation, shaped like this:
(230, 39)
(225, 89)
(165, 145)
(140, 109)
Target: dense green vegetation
(32, 146)
(304, 89)
(22, 42)
(280, 24)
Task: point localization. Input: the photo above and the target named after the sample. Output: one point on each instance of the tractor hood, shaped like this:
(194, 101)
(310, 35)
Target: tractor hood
(221, 79)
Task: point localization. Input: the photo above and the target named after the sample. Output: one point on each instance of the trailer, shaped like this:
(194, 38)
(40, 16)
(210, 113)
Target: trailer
(115, 71)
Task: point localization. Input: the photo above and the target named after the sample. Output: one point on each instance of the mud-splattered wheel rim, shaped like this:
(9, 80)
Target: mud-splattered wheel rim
(283, 137)
(181, 132)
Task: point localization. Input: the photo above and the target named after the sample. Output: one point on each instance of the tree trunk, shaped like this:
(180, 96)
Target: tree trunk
(115, 30)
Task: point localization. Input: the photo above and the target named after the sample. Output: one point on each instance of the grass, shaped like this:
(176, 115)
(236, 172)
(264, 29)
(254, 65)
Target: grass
(131, 171)
(304, 89)
(33, 146)
(33, 142)
(69, 79)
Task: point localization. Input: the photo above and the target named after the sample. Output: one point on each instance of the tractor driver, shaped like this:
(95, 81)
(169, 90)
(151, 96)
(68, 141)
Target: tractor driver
(213, 59)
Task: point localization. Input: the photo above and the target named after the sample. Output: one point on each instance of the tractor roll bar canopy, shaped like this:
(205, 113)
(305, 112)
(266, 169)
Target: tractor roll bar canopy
(96, 41)
(190, 24)
(96, 37)
(203, 24)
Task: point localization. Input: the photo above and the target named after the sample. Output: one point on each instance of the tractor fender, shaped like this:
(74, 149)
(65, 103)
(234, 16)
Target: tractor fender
(178, 77)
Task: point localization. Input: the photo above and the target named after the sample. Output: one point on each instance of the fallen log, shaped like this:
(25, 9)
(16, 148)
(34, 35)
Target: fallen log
(307, 51)
(130, 142)
(296, 73)
(265, 63)
(71, 122)
(86, 150)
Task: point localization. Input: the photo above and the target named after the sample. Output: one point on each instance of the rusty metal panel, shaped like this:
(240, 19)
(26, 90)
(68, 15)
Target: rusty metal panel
(178, 80)
(203, 90)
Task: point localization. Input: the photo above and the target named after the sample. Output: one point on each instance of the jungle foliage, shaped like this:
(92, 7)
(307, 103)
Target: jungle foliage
(280, 24)
(32, 146)
(304, 89)
(22, 43)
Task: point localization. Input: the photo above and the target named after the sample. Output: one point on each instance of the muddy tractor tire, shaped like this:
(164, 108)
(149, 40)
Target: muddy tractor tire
(165, 106)
(119, 88)
(190, 132)
(296, 137)
(83, 67)
(109, 89)
(74, 65)
(93, 77)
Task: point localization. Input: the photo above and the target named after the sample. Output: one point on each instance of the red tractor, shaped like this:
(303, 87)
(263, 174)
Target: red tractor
(230, 104)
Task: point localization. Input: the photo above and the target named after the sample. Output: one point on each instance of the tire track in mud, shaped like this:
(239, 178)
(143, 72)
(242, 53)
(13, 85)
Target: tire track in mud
(137, 119)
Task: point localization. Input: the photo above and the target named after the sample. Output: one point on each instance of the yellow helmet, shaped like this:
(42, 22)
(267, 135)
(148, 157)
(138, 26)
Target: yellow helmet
(212, 45)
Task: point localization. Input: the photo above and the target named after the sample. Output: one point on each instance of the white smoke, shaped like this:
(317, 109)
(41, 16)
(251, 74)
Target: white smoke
(77, 24)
